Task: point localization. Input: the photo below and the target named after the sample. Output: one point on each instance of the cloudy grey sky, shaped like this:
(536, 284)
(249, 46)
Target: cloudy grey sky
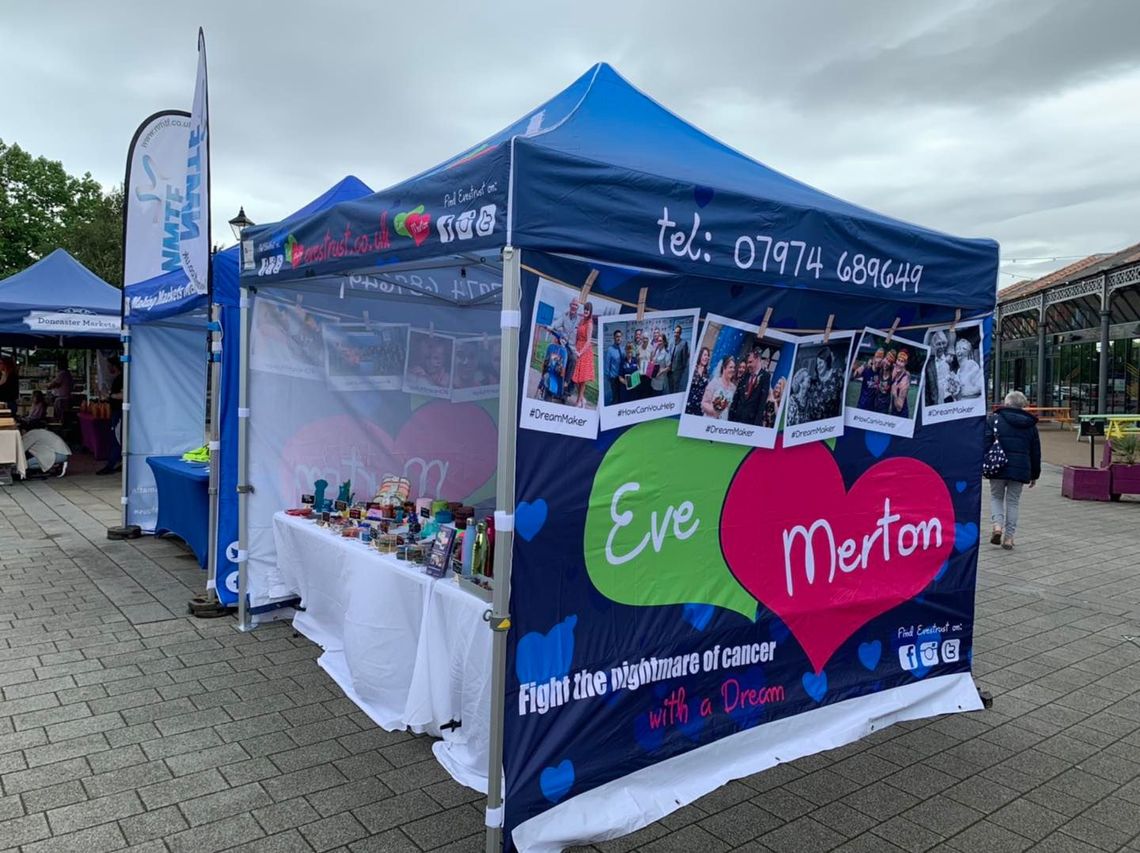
(1010, 119)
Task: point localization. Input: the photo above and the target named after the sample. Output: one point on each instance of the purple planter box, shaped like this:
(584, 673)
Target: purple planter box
(1086, 484)
(1125, 480)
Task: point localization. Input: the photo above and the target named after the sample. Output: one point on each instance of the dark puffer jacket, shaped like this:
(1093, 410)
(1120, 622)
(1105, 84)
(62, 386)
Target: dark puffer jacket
(1017, 432)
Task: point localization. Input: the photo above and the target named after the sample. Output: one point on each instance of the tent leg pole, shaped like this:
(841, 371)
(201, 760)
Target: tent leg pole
(504, 544)
(244, 622)
(124, 427)
(126, 530)
(213, 434)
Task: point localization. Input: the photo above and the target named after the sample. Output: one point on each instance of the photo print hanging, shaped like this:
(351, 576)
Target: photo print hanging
(427, 370)
(885, 388)
(366, 358)
(817, 390)
(955, 382)
(475, 368)
(562, 387)
(645, 365)
(738, 384)
(286, 340)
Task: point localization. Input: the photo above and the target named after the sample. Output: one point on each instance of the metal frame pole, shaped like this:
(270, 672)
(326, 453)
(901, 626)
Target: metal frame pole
(499, 618)
(124, 422)
(212, 443)
(243, 487)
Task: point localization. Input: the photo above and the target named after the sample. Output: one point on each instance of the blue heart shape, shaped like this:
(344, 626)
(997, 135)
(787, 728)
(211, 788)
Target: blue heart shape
(647, 737)
(703, 195)
(698, 615)
(877, 442)
(869, 654)
(965, 536)
(961, 486)
(777, 630)
(529, 518)
(696, 723)
(540, 657)
(815, 685)
(942, 571)
(557, 781)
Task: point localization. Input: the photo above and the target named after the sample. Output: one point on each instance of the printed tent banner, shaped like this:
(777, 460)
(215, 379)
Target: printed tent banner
(684, 611)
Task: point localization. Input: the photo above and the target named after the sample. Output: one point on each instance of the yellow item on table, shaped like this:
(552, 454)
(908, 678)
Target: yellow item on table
(202, 454)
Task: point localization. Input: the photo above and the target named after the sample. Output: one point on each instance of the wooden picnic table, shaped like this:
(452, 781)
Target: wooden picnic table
(1117, 426)
(1062, 415)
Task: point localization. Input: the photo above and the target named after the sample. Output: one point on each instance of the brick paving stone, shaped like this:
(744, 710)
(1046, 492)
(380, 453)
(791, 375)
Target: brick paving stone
(158, 823)
(221, 835)
(182, 788)
(395, 811)
(285, 815)
(330, 832)
(213, 807)
(72, 818)
(342, 798)
(97, 839)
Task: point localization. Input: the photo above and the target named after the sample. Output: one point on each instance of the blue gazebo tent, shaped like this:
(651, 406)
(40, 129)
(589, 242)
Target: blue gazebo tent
(58, 297)
(601, 187)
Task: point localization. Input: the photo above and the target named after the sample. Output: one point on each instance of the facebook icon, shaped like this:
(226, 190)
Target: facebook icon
(908, 658)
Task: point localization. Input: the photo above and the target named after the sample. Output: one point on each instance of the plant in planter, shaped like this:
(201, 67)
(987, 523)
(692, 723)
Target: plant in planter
(1125, 466)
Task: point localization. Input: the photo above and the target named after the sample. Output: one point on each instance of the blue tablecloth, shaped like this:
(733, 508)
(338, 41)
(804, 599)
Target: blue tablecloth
(183, 501)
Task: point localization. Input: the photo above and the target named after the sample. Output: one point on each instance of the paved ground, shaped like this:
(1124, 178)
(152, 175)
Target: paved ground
(126, 725)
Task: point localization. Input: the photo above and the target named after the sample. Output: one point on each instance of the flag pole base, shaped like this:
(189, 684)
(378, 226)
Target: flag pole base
(126, 531)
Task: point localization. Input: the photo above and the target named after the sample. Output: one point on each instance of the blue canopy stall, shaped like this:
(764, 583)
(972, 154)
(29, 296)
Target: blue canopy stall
(169, 409)
(57, 297)
(659, 624)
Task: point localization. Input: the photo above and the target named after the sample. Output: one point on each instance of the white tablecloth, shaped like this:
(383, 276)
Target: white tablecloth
(12, 450)
(412, 651)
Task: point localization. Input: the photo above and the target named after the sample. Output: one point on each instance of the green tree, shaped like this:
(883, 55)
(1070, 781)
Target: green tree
(43, 208)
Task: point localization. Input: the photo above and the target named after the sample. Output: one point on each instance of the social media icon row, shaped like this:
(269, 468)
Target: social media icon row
(926, 654)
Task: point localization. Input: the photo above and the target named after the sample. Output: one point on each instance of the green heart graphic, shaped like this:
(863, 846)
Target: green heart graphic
(401, 219)
(653, 521)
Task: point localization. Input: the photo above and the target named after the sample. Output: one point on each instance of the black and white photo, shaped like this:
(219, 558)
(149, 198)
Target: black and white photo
(955, 385)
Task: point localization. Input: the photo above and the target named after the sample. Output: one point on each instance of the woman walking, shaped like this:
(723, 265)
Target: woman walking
(1016, 431)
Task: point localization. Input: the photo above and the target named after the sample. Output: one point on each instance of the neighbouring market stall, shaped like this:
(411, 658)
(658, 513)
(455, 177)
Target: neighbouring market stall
(737, 434)
(57, 303)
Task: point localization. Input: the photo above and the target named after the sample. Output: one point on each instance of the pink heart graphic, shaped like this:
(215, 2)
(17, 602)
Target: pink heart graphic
(439, 459)
(871, 548)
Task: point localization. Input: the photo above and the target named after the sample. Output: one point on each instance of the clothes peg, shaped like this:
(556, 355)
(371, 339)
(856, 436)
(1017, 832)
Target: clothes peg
(641, 303)
(891, 332)
(957, 319)
(763, 330)
(588, 286)
(827, 331)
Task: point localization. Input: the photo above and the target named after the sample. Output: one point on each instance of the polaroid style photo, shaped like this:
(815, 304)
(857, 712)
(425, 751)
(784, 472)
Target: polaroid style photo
(737, 383)
(475, 368)
(884, 391)
(562, 377)
(644, 365)
(955, 381)
(427, 369)
(817, 390)
(366, 358)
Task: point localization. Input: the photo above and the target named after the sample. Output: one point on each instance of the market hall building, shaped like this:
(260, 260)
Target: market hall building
(1072, 338)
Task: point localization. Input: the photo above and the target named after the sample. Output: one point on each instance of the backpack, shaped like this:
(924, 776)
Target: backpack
(994, 460)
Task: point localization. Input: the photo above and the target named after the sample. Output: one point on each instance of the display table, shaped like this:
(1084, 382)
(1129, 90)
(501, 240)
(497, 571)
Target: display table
(12, 448)
(183, 501)
(95, 434)
(412, 651)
